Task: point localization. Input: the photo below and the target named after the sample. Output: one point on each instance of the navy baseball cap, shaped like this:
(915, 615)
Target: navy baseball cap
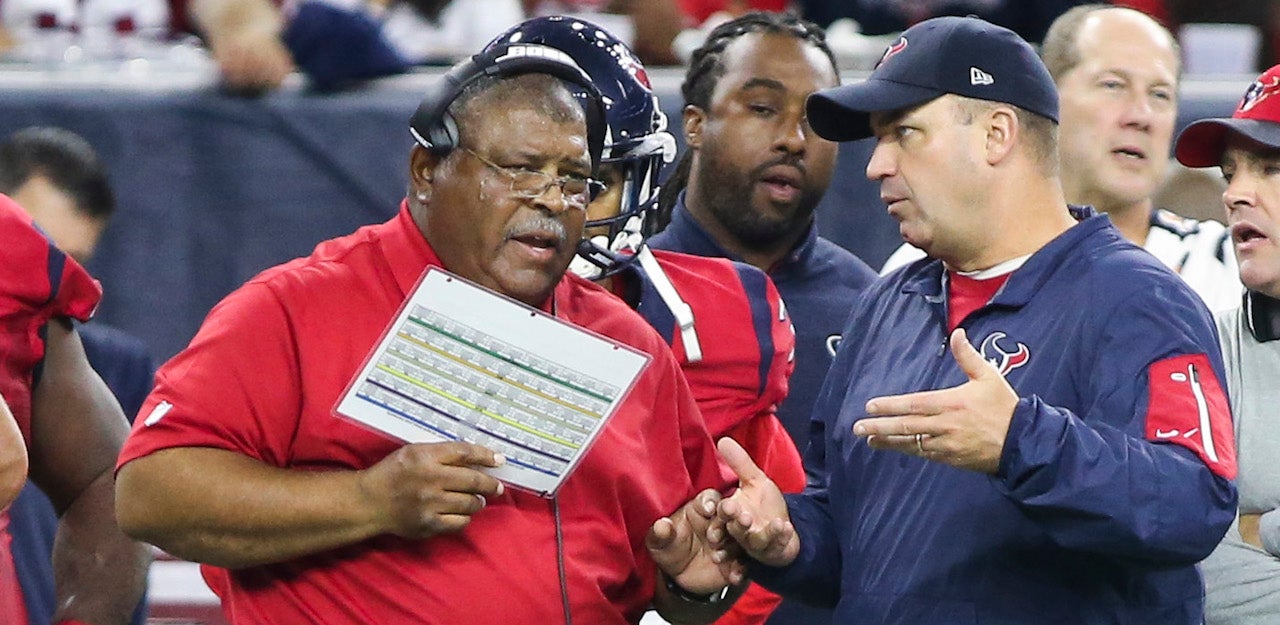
(966, 56)
(1257, 118)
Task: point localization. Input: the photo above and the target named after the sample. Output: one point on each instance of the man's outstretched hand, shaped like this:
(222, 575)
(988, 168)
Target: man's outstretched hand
(964, 426)
(756, 515)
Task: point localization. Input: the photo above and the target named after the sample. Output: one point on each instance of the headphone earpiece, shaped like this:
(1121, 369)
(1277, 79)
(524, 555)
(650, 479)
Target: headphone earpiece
(435, 129)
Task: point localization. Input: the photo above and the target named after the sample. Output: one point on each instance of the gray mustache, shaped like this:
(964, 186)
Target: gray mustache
(540, 223)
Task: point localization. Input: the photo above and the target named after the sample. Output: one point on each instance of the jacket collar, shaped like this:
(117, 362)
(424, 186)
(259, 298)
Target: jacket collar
(1262, 313)
(1024, 282)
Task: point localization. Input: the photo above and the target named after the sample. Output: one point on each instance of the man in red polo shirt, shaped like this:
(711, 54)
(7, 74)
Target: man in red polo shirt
(238, 461)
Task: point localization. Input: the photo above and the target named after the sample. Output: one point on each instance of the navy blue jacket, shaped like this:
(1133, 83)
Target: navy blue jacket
(818, 282)
(1087, 520)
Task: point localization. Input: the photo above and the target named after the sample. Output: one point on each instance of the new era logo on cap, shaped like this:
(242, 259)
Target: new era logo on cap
(979, 77)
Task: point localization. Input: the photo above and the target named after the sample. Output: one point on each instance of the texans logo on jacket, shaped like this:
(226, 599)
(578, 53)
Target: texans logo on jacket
(1005, 355)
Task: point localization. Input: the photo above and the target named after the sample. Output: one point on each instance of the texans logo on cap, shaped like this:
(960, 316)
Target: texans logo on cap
(890, 51)
(1260, 90)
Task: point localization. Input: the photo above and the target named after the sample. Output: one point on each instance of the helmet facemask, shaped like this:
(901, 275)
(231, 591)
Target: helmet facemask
(602, 255)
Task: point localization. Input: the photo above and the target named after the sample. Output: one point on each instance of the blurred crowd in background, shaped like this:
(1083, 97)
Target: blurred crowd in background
(255, 44)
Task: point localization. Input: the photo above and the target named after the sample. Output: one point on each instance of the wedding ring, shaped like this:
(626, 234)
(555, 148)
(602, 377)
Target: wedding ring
(920, 443)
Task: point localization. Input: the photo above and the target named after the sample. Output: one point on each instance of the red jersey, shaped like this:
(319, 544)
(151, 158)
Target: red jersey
(263, 374)
(747, 349)
(37, 283)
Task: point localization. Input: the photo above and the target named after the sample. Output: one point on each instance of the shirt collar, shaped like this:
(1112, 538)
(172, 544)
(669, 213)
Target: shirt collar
(409, 253)
(1026, 279)
(406, 249)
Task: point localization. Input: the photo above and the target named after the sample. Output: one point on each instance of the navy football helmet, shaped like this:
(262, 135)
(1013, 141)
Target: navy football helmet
(637, 140)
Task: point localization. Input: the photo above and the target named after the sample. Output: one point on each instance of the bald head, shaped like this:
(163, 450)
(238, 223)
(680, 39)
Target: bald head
(1071, 36)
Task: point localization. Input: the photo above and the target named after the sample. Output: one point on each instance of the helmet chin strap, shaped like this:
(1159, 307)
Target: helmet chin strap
(679, 309)
(598, 257)
(593, 259)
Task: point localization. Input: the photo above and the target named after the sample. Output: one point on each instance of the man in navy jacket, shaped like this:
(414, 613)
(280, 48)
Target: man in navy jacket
(1071, 459)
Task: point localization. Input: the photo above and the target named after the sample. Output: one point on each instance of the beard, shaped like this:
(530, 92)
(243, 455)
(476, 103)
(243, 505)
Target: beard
(730, 199)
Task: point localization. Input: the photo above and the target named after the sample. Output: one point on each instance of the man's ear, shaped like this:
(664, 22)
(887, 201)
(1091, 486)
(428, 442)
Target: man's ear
(422, 170)
(694, 116)
(1003, 132)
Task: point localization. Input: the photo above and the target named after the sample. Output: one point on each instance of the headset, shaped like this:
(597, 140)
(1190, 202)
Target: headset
(435, 129)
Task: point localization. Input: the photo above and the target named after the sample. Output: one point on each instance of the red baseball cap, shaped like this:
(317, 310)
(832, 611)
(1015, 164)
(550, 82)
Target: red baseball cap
(1257, 118)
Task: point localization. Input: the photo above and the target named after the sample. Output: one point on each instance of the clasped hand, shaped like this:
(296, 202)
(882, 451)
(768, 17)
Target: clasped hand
(700, 546)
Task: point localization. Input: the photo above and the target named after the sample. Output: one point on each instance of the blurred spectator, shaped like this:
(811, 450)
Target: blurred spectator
(1029, 18)
(649, 26)
(56, 177)
(257, 43)
(443, 31)
(699, 10)
(1263, 14)
(56, 31)
(335, 42)
(242, 35)
(244, 38)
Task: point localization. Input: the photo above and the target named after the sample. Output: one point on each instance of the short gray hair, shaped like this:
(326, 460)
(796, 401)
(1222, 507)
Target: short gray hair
(542, 93)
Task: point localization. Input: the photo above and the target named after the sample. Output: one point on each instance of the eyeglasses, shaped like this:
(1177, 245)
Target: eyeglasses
(577, 191)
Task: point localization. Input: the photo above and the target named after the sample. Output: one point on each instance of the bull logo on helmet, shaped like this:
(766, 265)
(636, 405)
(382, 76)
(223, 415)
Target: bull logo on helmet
(629, 62)
(1000, 357)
